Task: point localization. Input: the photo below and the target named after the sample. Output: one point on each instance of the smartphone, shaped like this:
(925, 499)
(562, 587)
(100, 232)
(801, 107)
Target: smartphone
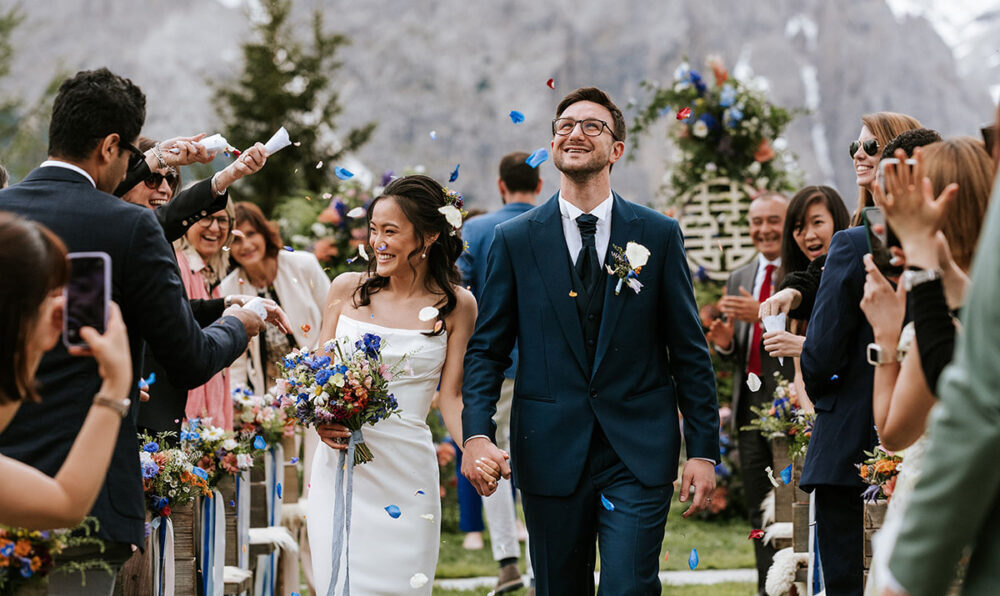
(880, 239)
(891, 161)
(87, 295)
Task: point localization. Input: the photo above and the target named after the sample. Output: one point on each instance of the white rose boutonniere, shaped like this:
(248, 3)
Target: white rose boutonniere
(627, 264)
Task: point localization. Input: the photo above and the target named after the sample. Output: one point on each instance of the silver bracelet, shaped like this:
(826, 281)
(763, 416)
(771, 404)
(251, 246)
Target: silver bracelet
(159, 156)
(215, 187)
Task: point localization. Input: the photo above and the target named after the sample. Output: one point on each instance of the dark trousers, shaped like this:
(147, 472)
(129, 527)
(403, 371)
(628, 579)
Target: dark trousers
(755, 455)
(840, 538)
(563, 531)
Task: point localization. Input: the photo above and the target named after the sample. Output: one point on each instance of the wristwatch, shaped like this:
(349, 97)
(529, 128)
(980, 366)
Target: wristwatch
(877, 356)
(119, 405)
(915, 277)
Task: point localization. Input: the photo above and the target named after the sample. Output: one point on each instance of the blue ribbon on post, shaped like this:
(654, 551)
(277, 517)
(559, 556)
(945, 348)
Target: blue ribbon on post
(342, 515)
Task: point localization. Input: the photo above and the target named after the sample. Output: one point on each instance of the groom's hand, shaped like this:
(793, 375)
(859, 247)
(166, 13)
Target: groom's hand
(701, 474)
(482, 449)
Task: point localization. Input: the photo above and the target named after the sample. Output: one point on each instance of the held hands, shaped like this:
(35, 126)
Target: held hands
(780, 302)
(700, 474)
(783, 343)
(249, 162)
(884, 307)
(720, 333)
(111, 350)
(483, 463)
(743, 307)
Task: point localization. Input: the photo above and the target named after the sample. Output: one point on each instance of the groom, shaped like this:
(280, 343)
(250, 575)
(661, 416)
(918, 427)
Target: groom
(594, 428)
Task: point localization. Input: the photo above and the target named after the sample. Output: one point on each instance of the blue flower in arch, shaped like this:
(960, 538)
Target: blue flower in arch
(697, 81)
(727, 96)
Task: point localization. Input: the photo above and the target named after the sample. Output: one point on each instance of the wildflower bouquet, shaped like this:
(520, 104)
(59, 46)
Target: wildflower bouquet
(879, 471)
(215, 451)
(169, 479)
(338, 384)
(784, 418)
(728, 129)
(259, 415)
(26, 555)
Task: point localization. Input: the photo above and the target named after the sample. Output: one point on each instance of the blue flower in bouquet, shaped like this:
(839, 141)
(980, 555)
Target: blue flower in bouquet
(781, 406)
(370, 344)
(727, 96)
(322, 376)
(8, 550)
(151, 447)
(710, 121)
(26, 571)
(734, 116)
(150, 469)
(697, 81)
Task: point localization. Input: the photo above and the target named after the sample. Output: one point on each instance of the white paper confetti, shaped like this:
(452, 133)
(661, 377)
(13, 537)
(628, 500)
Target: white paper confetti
(364, 255)
(770, 476)
(418, 580)
(428, 516)
(356, 212)
(753, 382)
(427, 313)
(775, 323)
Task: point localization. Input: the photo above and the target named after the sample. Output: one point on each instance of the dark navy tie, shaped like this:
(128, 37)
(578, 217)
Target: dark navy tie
(588, 266)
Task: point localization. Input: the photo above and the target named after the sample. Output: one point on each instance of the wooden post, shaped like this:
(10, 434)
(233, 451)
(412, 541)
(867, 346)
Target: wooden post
(136, 576)
(186, 532)
(874, 517)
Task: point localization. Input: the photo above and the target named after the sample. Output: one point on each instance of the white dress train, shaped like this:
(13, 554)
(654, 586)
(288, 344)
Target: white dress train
(386, 553)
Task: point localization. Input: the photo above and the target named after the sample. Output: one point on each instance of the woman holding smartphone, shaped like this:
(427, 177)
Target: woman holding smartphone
(34, 267)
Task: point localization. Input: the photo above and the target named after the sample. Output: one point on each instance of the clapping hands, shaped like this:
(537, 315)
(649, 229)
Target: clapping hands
(743, 307)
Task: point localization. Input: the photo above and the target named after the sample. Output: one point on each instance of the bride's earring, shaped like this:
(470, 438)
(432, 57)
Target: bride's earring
(423, 255)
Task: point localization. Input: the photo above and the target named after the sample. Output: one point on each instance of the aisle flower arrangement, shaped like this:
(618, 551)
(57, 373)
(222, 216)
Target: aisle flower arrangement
(727, 129)
(26, 556)
(215, 451)
(340, 383)
(880, 471)
(261, 415)
(169, 479)
(784, 418)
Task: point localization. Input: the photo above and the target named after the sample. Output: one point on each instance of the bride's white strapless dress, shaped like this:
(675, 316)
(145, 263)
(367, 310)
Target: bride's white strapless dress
(386, 552)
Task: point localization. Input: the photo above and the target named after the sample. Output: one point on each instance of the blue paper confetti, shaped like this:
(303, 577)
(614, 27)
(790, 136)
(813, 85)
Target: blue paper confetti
(295, 460)
(145, 383)
(289, 248)
(393, 511)
(278, 488)
(419, 492)
(200, 473)
(835, 378)
(434, 135)
(607, 504)
(454, 174)
(693, 559)
(343, 173)
(259, 442)
(516, 117)
(538, 157)
(232, 503)
(786, 474)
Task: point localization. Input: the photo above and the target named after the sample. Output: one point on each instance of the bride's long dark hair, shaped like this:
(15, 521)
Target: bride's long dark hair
(420, 197)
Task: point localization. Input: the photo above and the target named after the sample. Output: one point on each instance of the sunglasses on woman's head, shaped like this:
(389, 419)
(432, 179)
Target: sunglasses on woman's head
(154, 179)
(870, 146)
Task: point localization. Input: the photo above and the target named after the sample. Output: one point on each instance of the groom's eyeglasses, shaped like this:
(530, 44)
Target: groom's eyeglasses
(592, 127)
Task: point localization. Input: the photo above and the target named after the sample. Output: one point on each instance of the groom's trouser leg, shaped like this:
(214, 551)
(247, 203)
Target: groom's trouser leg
(755, 455)
(562, 547)
(840, 536)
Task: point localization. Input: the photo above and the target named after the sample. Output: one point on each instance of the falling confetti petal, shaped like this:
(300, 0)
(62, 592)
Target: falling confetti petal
(382, 246)
(393, 511)
(516, 117)
(438, 326)
(356, 212)
(755, 535)
(434, 135)
(786, 474)
(572, 294)
(835, 378)
(343, 173)
(753, 382)
(297, 143)
(606, 503)
(551, 83)
(305, 328)
(419, 492)
(537, 158)
(428, 516)
(289, 249)
(427, 313)
(319, 165)
(200, 473)
(666, 556)
(241, 281)
(693, 559)
(278, 488)
(684, 113)
(259, 443)
(327, 196)
(295, 460)
(238, 234)
(232, 503)
(454, 174)
(362, 252)
(770, 476)
(145, 383)
(418, 580)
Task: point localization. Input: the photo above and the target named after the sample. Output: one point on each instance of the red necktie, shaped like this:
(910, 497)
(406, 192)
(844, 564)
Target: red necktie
(753, 364)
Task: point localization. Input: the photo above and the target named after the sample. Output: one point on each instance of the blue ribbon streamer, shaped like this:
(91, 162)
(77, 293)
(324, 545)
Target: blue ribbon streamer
(342, 515)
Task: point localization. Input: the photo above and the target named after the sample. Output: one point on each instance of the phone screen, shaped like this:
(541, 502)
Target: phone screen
(87, 295)
(880, 238)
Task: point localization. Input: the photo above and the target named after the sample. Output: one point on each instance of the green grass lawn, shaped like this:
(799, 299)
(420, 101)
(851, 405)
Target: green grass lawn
(720, 544)
(726, 589)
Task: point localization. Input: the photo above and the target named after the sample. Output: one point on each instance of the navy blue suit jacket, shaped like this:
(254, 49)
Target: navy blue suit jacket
(836, 372)
(147, 286)
(651, 355)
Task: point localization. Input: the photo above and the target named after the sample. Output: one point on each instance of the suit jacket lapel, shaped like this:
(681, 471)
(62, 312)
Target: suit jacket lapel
(625, 227)
(548, 245)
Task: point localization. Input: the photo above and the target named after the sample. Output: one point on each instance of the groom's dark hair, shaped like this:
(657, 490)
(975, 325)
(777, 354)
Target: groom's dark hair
(595, 95)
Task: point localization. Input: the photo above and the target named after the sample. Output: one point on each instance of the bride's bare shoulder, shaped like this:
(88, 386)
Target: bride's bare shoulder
(343, 285)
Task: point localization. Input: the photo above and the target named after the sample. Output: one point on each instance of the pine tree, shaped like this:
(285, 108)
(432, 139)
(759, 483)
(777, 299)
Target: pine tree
(285, 83)
(8, 105)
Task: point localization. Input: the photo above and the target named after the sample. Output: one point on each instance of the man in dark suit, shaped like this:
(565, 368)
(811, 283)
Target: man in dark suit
(95, 118)
(601, 372)
(738, 340)
(838, 379)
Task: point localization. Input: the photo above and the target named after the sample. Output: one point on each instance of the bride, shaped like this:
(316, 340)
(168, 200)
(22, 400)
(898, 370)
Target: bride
(395, 524)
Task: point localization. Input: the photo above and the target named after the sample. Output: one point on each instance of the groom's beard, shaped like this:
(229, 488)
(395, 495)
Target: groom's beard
(584, 171)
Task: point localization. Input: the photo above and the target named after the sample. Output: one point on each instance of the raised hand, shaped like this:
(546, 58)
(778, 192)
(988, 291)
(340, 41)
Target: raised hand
(780, 302)
(884, 307)
(783, 343)
(720, 333)
(249, 162)
(182, 151)
(909, 203)
(743, 307)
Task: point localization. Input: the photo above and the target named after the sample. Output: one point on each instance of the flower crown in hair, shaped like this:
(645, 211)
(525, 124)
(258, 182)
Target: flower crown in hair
(452, 209)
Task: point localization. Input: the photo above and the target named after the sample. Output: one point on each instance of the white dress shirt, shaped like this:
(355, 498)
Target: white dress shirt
(63, 164)
(758, 283)
(571, 231)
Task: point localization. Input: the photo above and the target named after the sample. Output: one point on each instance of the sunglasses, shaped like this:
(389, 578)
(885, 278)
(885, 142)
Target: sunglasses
(870, 146)
(154, 179)
(135, 155)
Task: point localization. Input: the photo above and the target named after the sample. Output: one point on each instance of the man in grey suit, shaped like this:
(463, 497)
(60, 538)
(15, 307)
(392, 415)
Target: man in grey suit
(738, 340)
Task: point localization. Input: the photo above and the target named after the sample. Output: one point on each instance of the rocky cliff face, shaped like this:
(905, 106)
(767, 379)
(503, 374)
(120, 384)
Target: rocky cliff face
(458, 68)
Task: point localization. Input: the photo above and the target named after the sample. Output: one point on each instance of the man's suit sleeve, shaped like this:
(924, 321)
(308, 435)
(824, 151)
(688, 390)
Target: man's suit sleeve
(955, 501)
(835, 317)
(185, 208)
(132, 178)
(155, 304)
(488, 353)
(690, 363)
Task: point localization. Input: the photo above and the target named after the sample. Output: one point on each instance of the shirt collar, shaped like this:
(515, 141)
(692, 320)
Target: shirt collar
(195, 262)
(55, 163)
(602, 212)
(762, 261)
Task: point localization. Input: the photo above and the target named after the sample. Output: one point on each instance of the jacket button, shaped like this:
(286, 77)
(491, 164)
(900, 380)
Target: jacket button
(590, 342)
(593, 393)
(204, 213)
(591, 317)
(184, 222)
